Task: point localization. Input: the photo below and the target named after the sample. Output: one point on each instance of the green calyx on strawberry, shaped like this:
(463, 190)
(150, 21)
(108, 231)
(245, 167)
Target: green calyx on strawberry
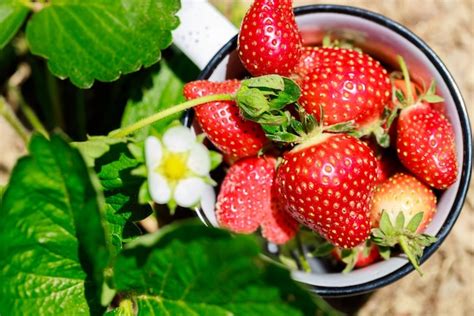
(225, 111)
(425, 137)
(269, 40)
(221, 120)
(402, 207)
(357, 257)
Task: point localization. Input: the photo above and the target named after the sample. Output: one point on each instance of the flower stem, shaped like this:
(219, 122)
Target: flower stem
(122, 132)
(406, 77)
(14, 122)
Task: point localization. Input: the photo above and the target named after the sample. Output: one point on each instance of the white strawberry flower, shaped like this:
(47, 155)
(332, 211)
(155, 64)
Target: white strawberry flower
(178, 168)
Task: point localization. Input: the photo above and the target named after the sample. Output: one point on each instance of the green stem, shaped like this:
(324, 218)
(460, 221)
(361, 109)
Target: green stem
(30, 115)
(303, 261)
(33, 119)
(13, 120)
(122, 132)
(406, 77)
(53, 89)
(406, 249)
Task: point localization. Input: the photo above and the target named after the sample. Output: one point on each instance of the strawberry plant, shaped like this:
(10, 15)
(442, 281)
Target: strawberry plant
(296, 156)
(73, 234)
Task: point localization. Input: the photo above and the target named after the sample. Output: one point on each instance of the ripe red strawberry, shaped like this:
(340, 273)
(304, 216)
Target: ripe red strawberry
(357, 257)
(269, 41)
(278, 226)
(348, 85)
(425, 145)
(327, 184)
(309, 60)
(221, 120)
(403, 193)
(245, 196)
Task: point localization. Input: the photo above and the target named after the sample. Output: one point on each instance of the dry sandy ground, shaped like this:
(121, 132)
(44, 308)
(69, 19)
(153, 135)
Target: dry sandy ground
(448, 285)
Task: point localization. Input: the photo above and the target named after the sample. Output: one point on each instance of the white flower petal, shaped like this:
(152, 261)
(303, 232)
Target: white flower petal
(179, 139)
(153, 153)
(160, 191)
(199, 161)
(208, 204)
(188, 192)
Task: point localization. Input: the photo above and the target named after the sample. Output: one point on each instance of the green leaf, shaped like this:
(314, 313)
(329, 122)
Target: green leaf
(121, 190)
(415, 221)
(53, 245)
(89, 40)
(268, 82)
(2, 190)
(190, 269)
(95, 147)
(165, 91)
(12, 15)
(252, 102)
(216, 159)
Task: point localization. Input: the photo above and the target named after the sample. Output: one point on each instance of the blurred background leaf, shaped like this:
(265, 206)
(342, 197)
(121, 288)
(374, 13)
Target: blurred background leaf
(87, 40)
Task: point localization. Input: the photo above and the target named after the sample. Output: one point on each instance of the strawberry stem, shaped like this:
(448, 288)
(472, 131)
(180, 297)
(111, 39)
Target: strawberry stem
(403, 241)
(406, 78)
(122, 132)
(301, 254)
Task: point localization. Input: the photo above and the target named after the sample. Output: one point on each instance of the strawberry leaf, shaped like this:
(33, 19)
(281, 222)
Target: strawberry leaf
(252, 102)
(12, 15)
(266, 83)
(165, 91)
(290, 94)
(151, 273)
(87, 40)
(261, 99)
(54, 246)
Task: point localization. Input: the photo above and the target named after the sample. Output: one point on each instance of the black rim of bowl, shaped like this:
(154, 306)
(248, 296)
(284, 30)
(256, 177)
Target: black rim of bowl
(465, 127)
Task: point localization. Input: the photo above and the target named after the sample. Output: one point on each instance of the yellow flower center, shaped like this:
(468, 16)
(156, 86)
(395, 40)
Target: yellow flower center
(174, 165)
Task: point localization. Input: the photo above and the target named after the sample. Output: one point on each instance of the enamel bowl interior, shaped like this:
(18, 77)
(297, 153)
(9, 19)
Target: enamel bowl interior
(384, 40)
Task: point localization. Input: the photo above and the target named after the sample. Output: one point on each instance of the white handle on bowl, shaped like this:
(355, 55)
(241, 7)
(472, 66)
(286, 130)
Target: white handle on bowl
(202, 32)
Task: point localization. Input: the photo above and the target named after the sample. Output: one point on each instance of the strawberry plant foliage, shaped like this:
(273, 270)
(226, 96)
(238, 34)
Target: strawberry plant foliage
(166, 90)
(53, 246)
(190, 269)
(87, 40)
(59, 251)
(12, 15)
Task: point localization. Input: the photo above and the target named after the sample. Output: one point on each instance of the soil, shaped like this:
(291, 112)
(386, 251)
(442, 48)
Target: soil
(447, 288)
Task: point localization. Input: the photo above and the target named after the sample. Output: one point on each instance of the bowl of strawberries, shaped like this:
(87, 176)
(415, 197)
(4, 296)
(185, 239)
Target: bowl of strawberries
(347, 143)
